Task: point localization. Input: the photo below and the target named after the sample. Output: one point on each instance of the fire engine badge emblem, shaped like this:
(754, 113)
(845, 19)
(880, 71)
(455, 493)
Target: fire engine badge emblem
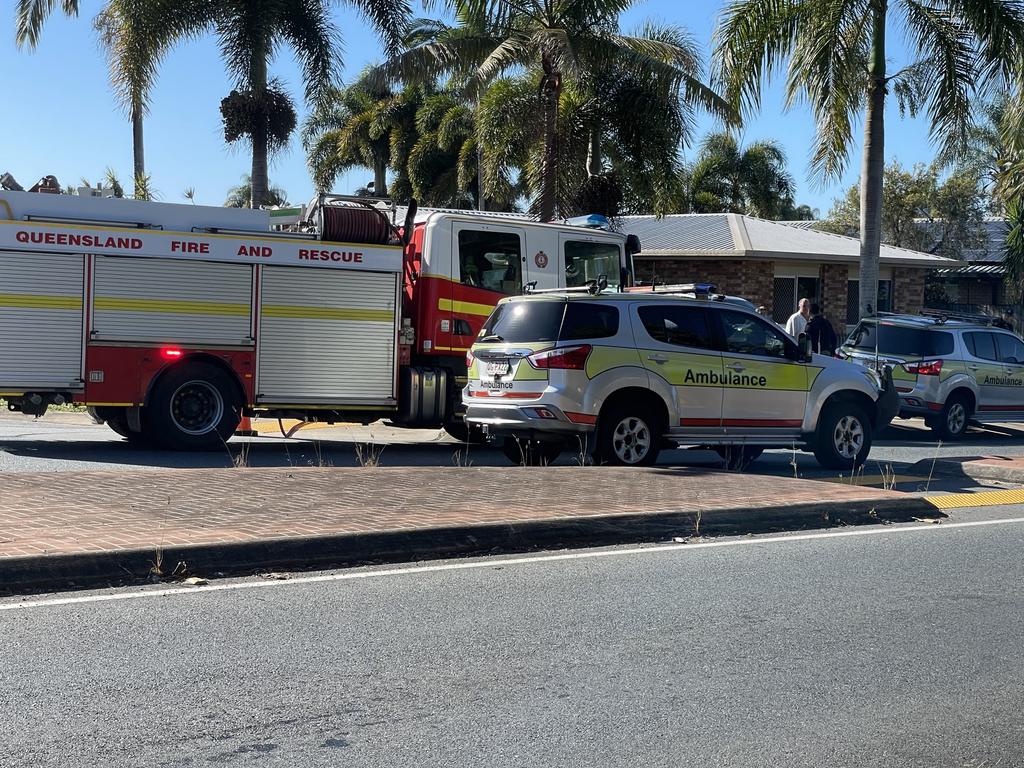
(541, 259)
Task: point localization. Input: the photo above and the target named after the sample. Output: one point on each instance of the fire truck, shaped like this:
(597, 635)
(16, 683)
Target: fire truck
(172, 322)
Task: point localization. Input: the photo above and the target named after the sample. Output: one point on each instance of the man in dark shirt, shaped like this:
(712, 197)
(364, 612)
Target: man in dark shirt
(819, 331)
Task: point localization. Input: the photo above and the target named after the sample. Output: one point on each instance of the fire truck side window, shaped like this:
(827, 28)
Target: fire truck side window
(491, 260)
(588, 261)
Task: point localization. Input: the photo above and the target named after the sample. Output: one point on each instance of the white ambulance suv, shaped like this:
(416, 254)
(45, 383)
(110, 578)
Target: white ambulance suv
(624, 375)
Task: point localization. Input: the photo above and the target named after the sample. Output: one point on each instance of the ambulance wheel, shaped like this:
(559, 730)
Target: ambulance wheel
(952, 422)
(193, 406)
(738, 457)
(844, 437)
(530, 453)
(628, 435)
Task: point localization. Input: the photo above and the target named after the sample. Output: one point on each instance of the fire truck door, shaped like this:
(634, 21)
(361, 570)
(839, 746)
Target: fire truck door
(489, 262)
(40, 321)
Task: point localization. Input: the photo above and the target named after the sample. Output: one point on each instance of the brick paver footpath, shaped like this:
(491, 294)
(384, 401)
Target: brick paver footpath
(44, 517)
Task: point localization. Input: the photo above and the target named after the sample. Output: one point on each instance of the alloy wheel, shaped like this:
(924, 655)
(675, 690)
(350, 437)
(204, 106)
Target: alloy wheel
(631, 440)
(848, 437)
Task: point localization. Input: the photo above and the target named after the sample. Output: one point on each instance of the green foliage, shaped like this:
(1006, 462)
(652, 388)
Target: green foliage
(727, 178)
(921, 210)
(576, 60)
(270, 109)
(240, 196)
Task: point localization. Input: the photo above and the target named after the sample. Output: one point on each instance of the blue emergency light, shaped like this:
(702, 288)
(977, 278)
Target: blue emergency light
(593, 221)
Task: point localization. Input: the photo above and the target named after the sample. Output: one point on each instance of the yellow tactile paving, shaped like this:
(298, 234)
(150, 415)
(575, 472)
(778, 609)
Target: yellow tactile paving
(982, 499)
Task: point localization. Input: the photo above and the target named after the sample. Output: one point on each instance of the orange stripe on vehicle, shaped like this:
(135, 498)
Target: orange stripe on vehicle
(761, 422)
(519, 395)
(581, 418)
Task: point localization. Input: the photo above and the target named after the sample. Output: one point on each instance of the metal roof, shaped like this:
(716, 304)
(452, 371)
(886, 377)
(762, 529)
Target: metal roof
(733, 235)
(974, 270)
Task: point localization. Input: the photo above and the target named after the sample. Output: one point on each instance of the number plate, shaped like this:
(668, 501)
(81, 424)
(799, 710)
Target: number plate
(498, 368)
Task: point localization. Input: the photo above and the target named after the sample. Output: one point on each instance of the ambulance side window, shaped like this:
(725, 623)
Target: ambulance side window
(1011, 350)
(491, 260)
(750, 335)
(680, 326)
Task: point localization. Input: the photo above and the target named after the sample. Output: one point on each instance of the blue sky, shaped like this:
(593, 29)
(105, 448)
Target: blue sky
(61, 118)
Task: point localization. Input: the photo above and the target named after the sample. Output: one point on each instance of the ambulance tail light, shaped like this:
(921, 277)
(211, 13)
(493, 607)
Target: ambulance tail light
(170, 353)
(563, 358)
(924, 368)
(469, 359)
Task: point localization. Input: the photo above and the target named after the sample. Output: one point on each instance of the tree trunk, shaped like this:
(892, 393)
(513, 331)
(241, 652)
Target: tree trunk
(594, 159)
(380, 179)
(138, 151)
(551, 89)
(872, 167)
(259, 175)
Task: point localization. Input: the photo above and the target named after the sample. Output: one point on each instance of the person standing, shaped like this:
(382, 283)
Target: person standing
(819, 330)
(798, 320)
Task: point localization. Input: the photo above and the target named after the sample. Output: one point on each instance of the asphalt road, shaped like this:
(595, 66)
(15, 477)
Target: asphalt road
(63, 442)
(895, 646)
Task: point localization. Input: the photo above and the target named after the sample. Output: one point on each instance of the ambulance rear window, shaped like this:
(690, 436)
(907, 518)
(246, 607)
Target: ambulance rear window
(522, 322)
(531, 321)
(901, 340)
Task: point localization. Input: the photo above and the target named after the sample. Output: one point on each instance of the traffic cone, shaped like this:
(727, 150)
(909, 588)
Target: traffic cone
(245, 428)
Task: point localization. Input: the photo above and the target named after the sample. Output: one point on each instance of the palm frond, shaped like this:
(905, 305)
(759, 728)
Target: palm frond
(30, 15)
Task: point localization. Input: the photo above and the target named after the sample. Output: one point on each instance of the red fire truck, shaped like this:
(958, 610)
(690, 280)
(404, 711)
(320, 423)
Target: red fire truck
(173, 321)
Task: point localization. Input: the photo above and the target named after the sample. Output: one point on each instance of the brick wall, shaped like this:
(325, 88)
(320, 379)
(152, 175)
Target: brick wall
(907, 290)
(834, 278)
(753, 280)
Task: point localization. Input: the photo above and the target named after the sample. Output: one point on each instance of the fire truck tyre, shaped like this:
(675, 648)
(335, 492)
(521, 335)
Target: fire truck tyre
(194, 406)
(530, 453)
(628, 435)
(952, 422)
(461, 431)
(117, 420)
(844, 436)
(738, 457)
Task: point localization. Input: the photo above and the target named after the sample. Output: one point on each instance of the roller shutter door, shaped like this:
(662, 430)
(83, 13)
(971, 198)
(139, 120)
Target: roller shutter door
(326, 336)
(40, 321)
(169, 300)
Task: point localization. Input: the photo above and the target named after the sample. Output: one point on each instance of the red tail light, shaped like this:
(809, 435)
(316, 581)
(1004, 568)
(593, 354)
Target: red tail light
(169, 353)
(924, 368)
(564, 358)
(469, 358)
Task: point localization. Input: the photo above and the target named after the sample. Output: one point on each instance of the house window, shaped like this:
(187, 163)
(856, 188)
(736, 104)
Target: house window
(788, 291)
(853, 299)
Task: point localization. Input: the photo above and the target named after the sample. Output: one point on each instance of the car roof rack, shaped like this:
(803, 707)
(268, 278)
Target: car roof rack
(706, 291)
(942, 316)
(592, 287)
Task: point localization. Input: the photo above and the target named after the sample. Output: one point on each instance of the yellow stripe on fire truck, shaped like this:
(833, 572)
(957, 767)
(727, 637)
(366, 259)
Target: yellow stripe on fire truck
(35, 301)
(172, 306)
(464, 307)
(329, 313)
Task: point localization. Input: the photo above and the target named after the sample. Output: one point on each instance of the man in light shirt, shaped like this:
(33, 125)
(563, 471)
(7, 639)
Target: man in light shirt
(798, 320)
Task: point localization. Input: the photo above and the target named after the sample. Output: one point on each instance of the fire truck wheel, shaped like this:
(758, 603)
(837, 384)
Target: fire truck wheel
(193, 406)
(117, 420)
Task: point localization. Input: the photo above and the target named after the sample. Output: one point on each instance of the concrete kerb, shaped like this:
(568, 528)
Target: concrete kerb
(974, 468)
(24, 575)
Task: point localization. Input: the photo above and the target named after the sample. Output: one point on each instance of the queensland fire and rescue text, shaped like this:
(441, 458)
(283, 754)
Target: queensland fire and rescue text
(310, 254)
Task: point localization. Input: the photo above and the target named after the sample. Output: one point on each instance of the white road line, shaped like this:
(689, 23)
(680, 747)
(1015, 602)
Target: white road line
(491, 562)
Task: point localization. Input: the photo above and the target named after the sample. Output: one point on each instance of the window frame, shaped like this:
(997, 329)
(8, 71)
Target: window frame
(972, 346)
(709, 324)
(614, 279)
(498, 232)
(790, 351)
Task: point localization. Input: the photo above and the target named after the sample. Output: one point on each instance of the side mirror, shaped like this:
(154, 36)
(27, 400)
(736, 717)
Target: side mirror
(632, 245)
(803, 343)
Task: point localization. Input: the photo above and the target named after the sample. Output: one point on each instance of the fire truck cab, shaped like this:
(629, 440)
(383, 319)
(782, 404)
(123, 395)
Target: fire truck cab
(171, 322)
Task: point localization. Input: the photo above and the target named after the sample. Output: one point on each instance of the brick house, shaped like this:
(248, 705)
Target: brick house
(774, 264)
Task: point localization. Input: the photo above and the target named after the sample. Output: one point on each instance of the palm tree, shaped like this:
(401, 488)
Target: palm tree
(753, 179)
(241, 196)
(562, 42)
(30, 15)
(363, 125)
(836, 54)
